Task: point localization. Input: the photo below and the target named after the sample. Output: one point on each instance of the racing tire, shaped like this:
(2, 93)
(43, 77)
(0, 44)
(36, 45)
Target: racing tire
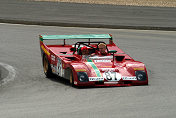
(71, 78)
(47, 67)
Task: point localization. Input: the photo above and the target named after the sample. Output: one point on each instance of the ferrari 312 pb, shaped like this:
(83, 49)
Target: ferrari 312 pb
(89, 62)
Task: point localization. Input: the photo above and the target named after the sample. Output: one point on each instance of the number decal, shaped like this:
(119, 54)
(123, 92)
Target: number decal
(59, 67)
(108, 76)
(112, 76)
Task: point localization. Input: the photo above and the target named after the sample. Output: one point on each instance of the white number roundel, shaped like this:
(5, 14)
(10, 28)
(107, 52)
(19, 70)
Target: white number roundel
(111, 76)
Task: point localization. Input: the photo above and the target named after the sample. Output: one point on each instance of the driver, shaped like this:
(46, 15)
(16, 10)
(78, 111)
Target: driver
(102, 50)
(85, 52)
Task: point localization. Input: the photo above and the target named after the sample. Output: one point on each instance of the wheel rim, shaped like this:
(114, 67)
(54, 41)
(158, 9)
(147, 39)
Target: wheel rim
(71, 78)
(45, 65)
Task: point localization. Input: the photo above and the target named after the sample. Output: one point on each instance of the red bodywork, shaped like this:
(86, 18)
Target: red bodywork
(101, 70)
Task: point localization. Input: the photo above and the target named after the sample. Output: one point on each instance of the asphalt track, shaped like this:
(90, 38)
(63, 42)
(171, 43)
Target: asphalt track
(87, 15)
(33, 95)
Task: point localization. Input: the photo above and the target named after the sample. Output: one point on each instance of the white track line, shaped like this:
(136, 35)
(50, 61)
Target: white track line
(11, 75)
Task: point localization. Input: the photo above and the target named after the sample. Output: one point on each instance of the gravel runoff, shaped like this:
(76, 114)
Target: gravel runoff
(155, 3)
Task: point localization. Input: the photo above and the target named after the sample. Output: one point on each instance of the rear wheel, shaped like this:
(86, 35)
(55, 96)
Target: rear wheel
(47, 67)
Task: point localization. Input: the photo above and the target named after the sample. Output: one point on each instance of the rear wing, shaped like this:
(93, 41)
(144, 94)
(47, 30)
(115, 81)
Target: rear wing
(65, 37)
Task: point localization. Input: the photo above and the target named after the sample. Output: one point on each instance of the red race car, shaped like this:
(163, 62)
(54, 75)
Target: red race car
(89, 62)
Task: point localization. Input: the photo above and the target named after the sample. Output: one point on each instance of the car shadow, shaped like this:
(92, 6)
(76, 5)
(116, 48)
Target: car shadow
(61, 80)
(66, 82)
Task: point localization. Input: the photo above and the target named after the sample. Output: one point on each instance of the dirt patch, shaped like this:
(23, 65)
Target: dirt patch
(156, 3)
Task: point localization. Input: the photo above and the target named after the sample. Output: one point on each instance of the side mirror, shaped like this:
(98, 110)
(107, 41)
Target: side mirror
(112, 51)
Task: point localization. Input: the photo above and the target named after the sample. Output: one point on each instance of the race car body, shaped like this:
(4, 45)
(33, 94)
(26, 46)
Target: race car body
(66, 60)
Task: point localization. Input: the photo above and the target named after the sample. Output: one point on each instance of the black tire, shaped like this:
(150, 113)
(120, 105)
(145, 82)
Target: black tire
(71, 78)
(47, 67)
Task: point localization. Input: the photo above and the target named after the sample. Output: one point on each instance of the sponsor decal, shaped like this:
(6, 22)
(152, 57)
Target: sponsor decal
(138, 68)
(107, 69)
(64, 54)
(106, 66)
(63, 65)
(110, 82)
(96, 79)
(75, 82)
(53, 57)
(112, 76)
(129, 78)
(101, 57)
(102, 60)
(81, 70)
(46, 52)
(91, 63)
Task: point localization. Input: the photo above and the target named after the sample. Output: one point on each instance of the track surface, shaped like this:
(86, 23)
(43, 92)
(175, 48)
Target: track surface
(33, 95)
(87, 15)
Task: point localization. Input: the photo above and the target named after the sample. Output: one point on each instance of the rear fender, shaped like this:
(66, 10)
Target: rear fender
(45, 51)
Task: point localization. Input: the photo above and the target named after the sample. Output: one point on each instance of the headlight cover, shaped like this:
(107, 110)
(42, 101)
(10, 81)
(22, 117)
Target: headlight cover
(82, 77)
(141, 75)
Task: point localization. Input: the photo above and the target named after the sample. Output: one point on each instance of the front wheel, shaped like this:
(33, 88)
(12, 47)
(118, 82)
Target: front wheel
(71, 78)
